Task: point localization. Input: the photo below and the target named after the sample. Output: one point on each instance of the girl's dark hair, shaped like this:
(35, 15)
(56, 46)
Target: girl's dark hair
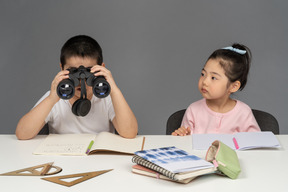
(235, 64)
(81, 46)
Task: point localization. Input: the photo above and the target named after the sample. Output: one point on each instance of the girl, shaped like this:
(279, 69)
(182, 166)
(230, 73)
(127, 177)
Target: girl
(224, 73)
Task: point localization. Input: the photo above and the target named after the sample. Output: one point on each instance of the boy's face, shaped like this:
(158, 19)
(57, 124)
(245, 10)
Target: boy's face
(213, 83)
(77, 62)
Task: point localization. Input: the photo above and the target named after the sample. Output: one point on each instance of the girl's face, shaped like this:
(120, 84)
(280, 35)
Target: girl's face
(213, 83)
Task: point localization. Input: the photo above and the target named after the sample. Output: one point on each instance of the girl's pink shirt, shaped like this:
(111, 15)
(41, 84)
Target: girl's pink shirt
(201, 119)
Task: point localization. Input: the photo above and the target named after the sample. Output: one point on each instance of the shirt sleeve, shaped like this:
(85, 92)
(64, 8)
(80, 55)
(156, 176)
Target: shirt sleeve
(251, 124)
(188, 119)
(246, 119)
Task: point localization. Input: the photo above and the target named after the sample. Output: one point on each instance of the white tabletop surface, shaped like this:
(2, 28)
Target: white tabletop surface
(262, 170)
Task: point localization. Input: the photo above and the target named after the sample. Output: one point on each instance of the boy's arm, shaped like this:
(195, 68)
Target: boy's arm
(31, 123)
(124, 121)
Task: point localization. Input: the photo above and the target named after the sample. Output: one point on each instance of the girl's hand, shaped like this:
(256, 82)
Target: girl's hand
(182, 131)
(58, 78)
(100, 70)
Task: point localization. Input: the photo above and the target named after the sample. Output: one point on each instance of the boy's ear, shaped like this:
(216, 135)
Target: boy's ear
(60, 66)
(235, 86)
(103, 64)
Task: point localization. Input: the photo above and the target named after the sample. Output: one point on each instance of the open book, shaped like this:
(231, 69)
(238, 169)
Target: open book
(237, 141)
(86, 144)
(173, 163)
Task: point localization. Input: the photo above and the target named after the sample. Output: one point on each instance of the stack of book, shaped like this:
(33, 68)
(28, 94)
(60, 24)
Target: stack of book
(170, 163)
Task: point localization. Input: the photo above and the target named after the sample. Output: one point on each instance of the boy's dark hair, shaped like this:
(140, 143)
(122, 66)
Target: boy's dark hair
(235, 64)
(81, 46)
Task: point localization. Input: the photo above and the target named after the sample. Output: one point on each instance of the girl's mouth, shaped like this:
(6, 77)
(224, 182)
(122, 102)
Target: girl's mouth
(204, 90)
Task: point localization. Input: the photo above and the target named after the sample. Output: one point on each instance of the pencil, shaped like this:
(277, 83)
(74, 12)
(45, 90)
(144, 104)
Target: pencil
(89, 147)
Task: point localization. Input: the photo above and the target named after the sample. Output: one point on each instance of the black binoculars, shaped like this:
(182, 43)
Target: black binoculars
(66, 88)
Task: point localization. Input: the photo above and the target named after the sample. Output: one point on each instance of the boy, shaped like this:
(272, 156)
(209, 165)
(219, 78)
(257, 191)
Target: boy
(80, 50)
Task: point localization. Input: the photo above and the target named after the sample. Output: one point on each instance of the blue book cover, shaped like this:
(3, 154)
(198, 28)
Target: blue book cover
(174, 160)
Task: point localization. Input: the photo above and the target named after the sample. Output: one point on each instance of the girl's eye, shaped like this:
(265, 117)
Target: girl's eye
(202, 74)
(214, 78)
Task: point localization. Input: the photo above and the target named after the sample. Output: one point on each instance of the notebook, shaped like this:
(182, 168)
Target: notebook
(237, 141)
(87, 144)
(173, 163)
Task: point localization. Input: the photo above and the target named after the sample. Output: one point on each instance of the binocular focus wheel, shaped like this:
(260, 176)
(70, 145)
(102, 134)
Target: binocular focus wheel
(81, 107)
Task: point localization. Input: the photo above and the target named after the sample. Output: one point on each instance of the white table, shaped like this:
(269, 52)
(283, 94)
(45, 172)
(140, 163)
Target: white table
(262, 170)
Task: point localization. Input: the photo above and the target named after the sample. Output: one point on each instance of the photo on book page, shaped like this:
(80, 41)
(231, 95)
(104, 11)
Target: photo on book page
(174, 159)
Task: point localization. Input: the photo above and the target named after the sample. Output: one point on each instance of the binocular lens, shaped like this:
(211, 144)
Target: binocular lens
(101, 88)
(65, 89)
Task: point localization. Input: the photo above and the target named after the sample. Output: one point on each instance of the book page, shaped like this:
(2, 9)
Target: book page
(64, 144)
(106, 141)
(250, 140)
(204, 141)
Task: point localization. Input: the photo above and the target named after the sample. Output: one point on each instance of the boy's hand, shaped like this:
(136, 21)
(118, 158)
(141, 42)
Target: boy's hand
(64, 74)
(182, 131)
(102, 71)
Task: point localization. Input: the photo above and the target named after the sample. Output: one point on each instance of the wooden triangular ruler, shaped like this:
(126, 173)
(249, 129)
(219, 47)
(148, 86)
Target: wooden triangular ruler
(32, 171)
(83, 177)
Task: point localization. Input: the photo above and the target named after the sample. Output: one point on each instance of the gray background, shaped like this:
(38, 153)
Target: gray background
(154, 48)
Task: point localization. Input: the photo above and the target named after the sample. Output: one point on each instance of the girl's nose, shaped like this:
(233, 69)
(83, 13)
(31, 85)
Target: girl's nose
(205, 81)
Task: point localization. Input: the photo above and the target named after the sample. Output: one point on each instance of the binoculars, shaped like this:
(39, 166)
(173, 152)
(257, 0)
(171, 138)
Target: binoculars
(66, 88)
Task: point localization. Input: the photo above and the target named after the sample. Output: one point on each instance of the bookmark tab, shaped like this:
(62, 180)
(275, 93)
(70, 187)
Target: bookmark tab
(235, 143)
(215, 163)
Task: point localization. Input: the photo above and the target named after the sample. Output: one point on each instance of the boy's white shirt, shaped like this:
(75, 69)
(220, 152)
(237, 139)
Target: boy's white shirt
(61, 120)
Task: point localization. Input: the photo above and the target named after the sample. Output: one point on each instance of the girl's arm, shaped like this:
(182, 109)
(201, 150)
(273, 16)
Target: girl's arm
(186, 125)
(182, 131)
